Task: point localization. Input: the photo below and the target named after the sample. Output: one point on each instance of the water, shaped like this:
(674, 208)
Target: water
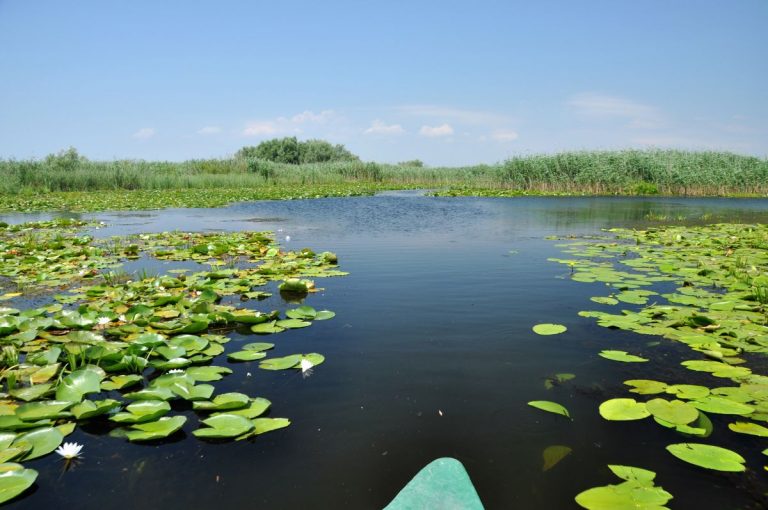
(431, 354)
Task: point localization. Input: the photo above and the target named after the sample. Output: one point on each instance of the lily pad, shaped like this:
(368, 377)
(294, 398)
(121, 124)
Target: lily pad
(78, 384)
(675, 411)
(223, 426)
(621, 356)
(14, 480)
(753, 429)
(623, 409)
(551, 407)
(43, 441)
(159, 429)
(549, 329)
(708, 456)
(552, 456)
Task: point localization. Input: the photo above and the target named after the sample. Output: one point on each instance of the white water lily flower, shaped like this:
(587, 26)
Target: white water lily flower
(287, 238)
(103, 321)
(176, 371)
(69, 450)
(306, 365)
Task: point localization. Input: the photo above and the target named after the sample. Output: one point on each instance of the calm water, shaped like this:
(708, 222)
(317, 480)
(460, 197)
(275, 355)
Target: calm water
(435, 317)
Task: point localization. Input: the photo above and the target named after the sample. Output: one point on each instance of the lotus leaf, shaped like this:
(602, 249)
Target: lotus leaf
(720, 405)
(646, 387)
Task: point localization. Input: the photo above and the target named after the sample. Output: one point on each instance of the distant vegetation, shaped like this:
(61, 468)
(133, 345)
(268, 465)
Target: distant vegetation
(293, 152)
(290, 163)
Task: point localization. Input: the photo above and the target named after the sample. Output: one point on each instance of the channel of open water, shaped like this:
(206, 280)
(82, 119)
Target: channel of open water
(431, 354)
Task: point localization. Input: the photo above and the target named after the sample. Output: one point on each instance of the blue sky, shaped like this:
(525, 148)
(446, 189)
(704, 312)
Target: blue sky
(446, 82)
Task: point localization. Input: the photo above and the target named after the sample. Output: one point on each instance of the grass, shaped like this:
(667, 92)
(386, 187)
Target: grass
(39, 184)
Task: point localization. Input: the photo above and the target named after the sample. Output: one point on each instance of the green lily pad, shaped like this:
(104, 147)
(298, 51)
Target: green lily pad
(43, 441)
(750, 428)
(324, 315)
(623, 409)
(118, 382)
(78, 384)
(208, 374)
(48, 409)
(267, 328)
(223, 402)
(646, 386)
(688, 391)
(708, 456)
(720, 405)
(256, 408)
(159, 429)
(224, 426)
(551, 407)
(142, 411)
(283, 363)
(292, 324)
(552, 455)
(675, 411)
(621, 356)
(246, 355)
(88, 409)
(14, 480)
(549, 329)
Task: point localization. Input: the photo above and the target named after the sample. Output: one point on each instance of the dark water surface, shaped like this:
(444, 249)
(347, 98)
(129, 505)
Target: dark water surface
(434, 318)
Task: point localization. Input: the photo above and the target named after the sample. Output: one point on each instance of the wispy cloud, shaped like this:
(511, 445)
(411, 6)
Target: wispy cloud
(209, 130)
(637, 115)
(378, 127)
(505, 135)
(459, 115)
(436, 131)
(144, 133)
(294, 124)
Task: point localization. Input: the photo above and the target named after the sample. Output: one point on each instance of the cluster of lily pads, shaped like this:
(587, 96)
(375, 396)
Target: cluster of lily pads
(717, 305)
(122, 349)
(141, 199)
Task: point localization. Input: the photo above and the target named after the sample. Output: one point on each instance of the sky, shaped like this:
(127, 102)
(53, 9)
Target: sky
(449, 83)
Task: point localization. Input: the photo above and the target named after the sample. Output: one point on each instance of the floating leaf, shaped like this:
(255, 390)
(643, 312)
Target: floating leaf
(223, 402)
(43, 441)
(264, 425)
(48, 409)
(621, 356)
(246, 355)
(623, 409)
(720, 405)
(675, 411)
(752, 429)
(142, 411)
(283, 363)
(14, 480)
(78, 384)
(549, 329)
(708, 456)
(159, 429)
(551, 407)
(224, 426)
(646, 386)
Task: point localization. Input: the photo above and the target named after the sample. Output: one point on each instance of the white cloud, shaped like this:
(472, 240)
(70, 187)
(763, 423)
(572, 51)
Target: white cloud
(209, 130)
(380, 128)
(504, 135)
(294, 124)
(637, 115)
(144, 133)
(260, 128)
(310, 116)
(436, 131)
(459, 115)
